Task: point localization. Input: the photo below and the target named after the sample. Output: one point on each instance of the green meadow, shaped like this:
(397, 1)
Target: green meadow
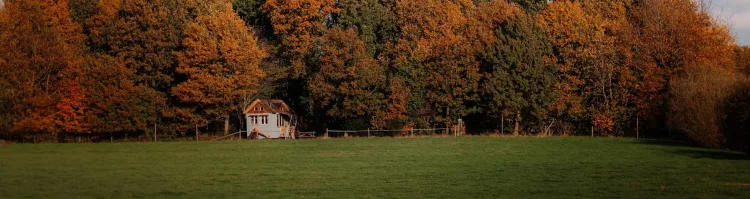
(469, 167)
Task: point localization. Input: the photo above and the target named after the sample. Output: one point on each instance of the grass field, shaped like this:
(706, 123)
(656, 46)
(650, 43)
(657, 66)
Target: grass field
(375, 168)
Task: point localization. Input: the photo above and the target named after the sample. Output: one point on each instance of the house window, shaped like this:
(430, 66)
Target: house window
(253, 119)
(264, 119)
(258, 119)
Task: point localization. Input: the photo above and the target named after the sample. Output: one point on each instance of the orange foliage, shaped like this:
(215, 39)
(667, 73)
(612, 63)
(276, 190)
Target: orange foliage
(298, 23)
(594, 57)
(143, 34)
(70, 109)
(743, 58)
(672, 35)
(434, 41)
(347, 77)
(192, 61)
(220, 59)
(698, 99)
(486, 18)
(396, 103)
(567, 27)
(41, 49)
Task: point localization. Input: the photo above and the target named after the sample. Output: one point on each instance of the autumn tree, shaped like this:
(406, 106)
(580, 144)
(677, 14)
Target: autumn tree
(375, 24)
(39, 61)
(171, 66)
(144, 35)
(680, 33)
(82, 10)
(431, 56)
(743, 59)
(345, 82)
(588, 41)
(220, 62)
(115, 103)
(393, 110)
(672, 35)
(70, 110)
(696, 104)
(119, 27)
(298, 23)
(566, 25)
(611, 79)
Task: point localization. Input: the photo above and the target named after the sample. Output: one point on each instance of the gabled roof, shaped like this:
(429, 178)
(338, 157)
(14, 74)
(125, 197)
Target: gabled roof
(271, 106)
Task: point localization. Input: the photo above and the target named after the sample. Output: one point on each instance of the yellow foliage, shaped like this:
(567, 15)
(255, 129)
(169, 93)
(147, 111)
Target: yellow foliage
(221, 61)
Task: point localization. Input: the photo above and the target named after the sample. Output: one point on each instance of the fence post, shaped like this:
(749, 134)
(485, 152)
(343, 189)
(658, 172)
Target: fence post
(368, 132)
(111, 140)
(326, 134)
(460, 127)
(411, 131)
(592, 130)
(637, 129)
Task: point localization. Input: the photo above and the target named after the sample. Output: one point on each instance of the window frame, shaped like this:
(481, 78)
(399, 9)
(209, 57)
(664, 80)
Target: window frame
(263, 120)
(253, 119)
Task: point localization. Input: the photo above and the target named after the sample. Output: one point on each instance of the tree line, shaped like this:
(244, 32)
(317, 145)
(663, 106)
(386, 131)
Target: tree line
(533, 66)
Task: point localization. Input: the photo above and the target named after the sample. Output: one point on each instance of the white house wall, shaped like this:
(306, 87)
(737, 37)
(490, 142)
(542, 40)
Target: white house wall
(270, 128)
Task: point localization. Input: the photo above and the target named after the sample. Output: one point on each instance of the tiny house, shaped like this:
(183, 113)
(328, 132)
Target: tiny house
(270, 119)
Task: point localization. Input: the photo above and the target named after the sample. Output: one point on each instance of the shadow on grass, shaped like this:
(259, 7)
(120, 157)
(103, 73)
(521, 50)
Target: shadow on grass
(699, 153)
(716, 155)
(665, 142)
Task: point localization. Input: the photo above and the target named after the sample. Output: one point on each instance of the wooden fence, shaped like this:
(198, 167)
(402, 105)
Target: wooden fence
(393, 133)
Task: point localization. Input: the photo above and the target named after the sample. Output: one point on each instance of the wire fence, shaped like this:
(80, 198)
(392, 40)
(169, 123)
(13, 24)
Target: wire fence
(392, 133)
(239, 135)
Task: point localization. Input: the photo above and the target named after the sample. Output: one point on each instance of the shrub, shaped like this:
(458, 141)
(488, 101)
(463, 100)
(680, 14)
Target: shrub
(696, 105)
(737, 122)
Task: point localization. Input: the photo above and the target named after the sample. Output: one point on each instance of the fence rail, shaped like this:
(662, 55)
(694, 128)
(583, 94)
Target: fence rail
(230, 135)
(402, 130)
(370, 132)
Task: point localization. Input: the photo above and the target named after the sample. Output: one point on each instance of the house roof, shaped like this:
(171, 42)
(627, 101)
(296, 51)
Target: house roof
(271, 106)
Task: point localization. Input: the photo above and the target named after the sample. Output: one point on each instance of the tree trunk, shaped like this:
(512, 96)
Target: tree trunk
(226, 126)
(517, 125)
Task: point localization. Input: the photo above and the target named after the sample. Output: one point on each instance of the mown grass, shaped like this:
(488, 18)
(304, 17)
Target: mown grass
(375, 168)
